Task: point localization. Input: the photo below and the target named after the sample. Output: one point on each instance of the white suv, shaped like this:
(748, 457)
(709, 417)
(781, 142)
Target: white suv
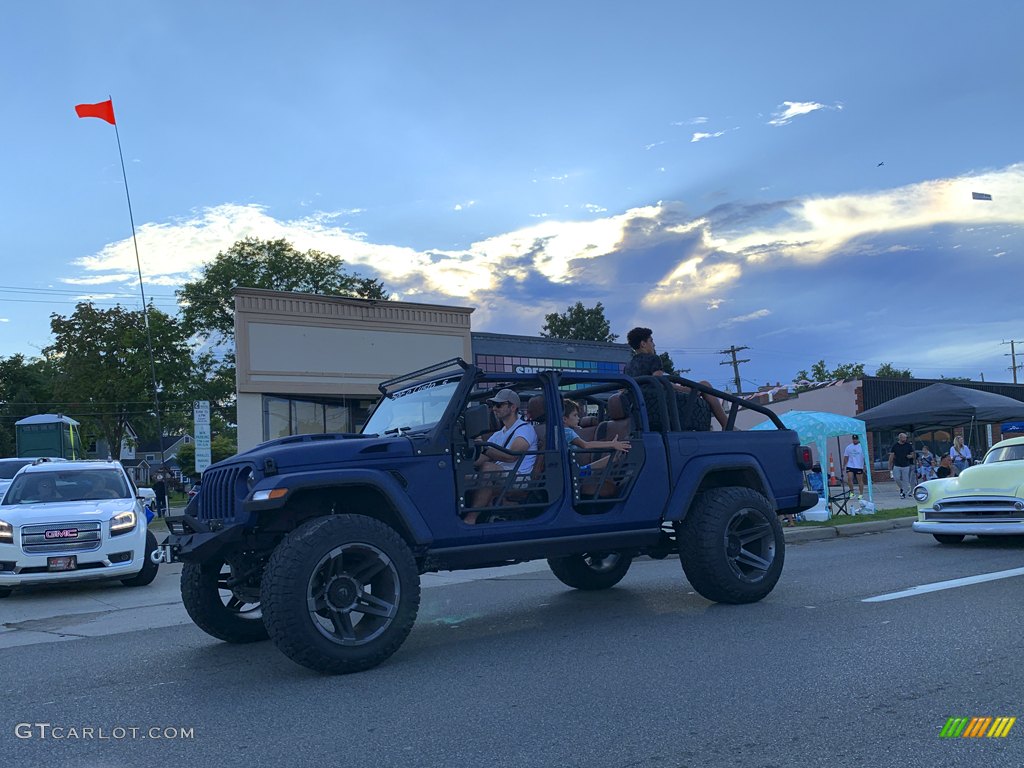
(73, 521)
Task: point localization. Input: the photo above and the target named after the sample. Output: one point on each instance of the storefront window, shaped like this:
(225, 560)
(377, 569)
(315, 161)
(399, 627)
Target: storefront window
(285, 416)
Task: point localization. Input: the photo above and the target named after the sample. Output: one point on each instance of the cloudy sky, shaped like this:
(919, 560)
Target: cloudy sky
(793, 177)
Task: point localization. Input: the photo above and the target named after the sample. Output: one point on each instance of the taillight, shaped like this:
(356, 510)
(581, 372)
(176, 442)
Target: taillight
(803, 457)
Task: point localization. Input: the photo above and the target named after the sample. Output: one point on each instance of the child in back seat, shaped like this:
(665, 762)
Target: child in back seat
(571, 420)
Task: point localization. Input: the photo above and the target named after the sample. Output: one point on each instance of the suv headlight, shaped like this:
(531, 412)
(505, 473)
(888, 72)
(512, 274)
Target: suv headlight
(6, 532)
(123, 522)
(920, 494)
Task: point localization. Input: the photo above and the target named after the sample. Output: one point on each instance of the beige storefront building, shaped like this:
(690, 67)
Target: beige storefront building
(308, 363)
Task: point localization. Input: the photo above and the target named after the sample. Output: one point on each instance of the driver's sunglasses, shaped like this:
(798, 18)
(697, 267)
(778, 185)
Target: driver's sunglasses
(498, 405)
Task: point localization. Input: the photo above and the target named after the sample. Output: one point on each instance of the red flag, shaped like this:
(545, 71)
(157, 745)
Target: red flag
(104, 110)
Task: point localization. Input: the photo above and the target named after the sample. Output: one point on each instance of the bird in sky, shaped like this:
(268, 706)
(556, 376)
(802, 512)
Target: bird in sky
(880, 164)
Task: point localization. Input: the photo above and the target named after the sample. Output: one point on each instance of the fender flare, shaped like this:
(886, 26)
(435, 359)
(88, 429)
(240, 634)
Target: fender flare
(693, 474)
(416, 527)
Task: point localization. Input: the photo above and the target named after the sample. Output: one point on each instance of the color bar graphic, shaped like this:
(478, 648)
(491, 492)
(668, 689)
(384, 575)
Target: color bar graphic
(977, 727)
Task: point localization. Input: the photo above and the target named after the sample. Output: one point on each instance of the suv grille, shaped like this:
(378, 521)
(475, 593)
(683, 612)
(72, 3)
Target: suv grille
(45, 538)
(977, 509)
(220, 494)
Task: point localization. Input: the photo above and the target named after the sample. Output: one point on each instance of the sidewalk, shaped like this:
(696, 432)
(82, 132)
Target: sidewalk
(886, 495)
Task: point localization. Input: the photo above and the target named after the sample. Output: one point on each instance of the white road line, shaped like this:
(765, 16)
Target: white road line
(951, 584)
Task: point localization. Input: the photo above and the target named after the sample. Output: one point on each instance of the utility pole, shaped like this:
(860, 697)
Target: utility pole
(1013, 357)
(734, 363)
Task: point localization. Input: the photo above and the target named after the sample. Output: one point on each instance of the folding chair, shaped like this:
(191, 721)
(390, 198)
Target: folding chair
(839, 501)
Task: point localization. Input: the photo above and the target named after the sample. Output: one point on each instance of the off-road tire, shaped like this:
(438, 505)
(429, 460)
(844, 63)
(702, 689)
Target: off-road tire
(591, 571)
(149, 568)
(948, 539)
(234, 620)
(731, 545)
(326, 570)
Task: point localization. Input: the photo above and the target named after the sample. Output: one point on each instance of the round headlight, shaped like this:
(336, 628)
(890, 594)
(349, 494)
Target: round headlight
(920, 494)
(1018, 505)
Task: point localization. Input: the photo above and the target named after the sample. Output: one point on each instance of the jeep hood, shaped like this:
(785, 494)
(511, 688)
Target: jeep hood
(320, 451)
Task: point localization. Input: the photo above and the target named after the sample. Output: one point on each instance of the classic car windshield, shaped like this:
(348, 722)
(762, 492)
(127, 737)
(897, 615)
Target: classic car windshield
(412, 409)
(1006, 453)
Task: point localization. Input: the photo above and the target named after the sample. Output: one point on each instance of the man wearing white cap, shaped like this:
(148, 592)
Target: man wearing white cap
(516, 435)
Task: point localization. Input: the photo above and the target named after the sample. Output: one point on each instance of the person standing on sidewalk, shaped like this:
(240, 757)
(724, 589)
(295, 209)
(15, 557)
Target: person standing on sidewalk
(160, 489)
(901, 464)
(960, 454)
(853, 459)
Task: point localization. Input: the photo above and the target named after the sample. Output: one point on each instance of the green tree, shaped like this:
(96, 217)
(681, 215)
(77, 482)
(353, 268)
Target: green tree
(579, 323)
(208, 307)
(221, 447)
(890, 371)
(26, 388)
(102, 363)
(820, 372)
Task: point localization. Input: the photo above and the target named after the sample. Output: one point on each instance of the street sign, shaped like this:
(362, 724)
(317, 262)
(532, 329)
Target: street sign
(201, 417)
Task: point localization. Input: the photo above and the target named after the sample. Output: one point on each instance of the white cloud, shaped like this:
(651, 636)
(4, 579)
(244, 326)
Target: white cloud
(593, 208)
(793, 109)
(701, 136)
(714, 303)
(5, 320)
(757, 315)
(463, 206)
(652, 146)
(691, 121)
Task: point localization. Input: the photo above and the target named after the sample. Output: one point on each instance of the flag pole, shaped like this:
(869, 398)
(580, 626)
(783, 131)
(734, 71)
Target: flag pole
(142, 290)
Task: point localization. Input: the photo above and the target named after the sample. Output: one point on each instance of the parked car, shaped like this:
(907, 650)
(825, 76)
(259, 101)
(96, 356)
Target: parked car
(986, 499)
(8, 469)
(73, 521)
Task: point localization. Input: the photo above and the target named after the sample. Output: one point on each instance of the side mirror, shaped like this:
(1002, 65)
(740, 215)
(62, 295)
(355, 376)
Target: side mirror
(477, 420)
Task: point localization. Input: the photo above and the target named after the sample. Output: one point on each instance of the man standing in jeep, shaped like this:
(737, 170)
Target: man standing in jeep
(515, 434)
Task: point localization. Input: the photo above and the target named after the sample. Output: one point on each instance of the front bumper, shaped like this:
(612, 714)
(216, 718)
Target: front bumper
(118, 557)
(191, 539)
(988, 528)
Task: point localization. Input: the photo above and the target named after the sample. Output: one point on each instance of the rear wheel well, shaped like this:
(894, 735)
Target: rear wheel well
(742, 477)
(310, 503)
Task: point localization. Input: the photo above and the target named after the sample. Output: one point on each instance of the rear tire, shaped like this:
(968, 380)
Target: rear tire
(591, 571)
(218, 607)
(731, 545)
(948, 539)
(340, 593)
(149, 568)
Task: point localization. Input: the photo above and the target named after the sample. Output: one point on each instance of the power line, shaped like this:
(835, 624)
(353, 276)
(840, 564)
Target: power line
(1013, 357)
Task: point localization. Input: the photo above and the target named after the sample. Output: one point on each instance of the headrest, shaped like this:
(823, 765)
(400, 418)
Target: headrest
(616, 407)
(589, 421)
(535, 408)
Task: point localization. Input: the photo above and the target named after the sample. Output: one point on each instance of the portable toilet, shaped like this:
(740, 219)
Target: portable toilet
(48, 434)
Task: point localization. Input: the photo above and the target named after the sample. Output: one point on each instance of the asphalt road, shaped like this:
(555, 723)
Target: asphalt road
(518, 670)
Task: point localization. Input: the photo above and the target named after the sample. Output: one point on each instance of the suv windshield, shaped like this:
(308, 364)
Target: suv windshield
(80, 485)
(1006, 453)
(412, 409)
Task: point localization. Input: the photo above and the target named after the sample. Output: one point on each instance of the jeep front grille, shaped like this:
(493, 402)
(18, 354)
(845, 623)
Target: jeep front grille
(220, 493)
(47, 538)
(973, 509)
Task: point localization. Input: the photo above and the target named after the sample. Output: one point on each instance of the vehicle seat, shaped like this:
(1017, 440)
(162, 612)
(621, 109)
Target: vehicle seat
(618, 423)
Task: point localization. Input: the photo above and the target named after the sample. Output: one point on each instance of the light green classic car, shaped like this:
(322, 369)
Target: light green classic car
(985, 500)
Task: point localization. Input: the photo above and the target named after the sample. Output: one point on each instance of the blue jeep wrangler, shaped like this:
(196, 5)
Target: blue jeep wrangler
(318, 541)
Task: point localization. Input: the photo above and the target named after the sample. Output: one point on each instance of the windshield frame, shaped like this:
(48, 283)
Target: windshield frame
(1017, 449)
(394, 413)
(85, 485)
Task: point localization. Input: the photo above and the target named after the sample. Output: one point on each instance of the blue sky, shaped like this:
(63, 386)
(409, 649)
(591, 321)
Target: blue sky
(791, 177)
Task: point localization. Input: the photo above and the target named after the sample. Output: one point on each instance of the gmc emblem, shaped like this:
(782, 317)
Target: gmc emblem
(61, 533)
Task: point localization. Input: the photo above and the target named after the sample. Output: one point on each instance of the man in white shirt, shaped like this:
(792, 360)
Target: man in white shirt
(515, 435)
(853, 458)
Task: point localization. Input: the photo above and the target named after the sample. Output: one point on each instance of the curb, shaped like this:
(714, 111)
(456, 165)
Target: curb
(850, 529)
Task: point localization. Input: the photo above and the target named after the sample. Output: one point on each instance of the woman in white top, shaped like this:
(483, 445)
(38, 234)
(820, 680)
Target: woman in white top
(960, 454)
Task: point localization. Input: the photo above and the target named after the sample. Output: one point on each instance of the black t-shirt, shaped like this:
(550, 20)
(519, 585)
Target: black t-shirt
(643, 364)
(901, 453)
